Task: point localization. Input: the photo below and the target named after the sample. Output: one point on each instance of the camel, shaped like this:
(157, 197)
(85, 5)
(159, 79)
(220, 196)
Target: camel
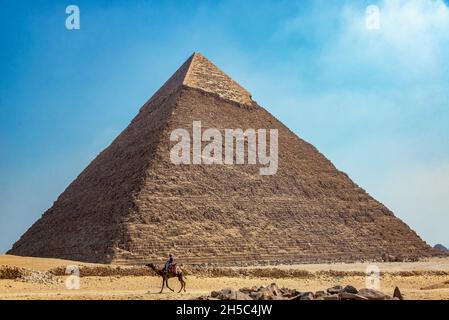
(173, 272)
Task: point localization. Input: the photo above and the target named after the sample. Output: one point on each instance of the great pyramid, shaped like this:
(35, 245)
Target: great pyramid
(133, 205)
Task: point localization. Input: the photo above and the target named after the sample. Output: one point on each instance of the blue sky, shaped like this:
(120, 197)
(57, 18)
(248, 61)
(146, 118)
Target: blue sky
(375, 102)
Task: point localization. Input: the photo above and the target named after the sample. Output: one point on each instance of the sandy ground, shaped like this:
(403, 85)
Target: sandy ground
(147, 288)
(40, 264)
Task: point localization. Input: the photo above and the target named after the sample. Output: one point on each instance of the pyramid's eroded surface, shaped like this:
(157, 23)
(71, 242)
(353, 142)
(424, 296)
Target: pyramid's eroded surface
(132, 204)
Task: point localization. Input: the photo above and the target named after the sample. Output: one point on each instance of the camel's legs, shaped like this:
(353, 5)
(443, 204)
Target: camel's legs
(163, 283)
(166, 284)
(183, 283)
(179, 279)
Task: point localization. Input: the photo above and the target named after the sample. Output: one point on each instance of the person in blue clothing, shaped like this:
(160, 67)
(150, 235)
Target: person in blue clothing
(169, 263)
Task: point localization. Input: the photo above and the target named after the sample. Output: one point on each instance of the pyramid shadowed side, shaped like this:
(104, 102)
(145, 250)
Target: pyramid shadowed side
(86, 221)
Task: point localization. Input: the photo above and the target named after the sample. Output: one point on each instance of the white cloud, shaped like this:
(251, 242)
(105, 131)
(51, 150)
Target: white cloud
(413, 35)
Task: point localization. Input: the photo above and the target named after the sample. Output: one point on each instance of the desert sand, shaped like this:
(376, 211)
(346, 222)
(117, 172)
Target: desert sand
(417, 280)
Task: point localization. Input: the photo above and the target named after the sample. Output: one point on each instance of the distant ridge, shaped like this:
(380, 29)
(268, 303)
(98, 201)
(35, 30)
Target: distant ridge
(442, 248)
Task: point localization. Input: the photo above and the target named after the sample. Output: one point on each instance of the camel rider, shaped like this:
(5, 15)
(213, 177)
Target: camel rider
(169, 263)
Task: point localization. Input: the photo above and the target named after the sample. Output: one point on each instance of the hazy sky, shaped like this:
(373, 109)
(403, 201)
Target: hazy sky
(375, 102)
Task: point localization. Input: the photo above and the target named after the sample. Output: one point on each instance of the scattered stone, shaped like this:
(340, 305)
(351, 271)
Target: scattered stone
(319, 294)
(350, 289)
(215, 294)
(256, 295)
(246, 290)
(307, 296)
(240, 296)
(229, 294)
(268, 292)
(13, 273)
(272, 292)
(372, 294)
(39, 277)
(335, 290)
(289, 293)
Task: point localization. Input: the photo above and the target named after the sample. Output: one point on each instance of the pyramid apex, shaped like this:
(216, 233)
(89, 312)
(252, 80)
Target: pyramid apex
(200, 73)
(204, 75)
(197, 54)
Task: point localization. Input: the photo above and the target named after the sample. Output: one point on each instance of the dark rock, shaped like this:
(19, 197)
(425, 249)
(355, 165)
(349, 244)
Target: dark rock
(225, 294)
(372, 294)
(397, 294)
(306, 296)
(289, 293)
(335, 289)
(256, 295)
(240, 296)
(229, 294)
(350, 289)
(270, 292)
(274, 290)
(319, 294)
(247, 290)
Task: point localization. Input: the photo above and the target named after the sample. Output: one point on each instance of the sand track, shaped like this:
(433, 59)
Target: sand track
(147, 287)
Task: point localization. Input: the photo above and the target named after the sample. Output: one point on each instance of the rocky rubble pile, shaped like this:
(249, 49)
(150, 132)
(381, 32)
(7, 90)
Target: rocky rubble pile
(272, 273)
(11, 273)
(38, 277)
(272, 292)
(25, 275)
(106, 271)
